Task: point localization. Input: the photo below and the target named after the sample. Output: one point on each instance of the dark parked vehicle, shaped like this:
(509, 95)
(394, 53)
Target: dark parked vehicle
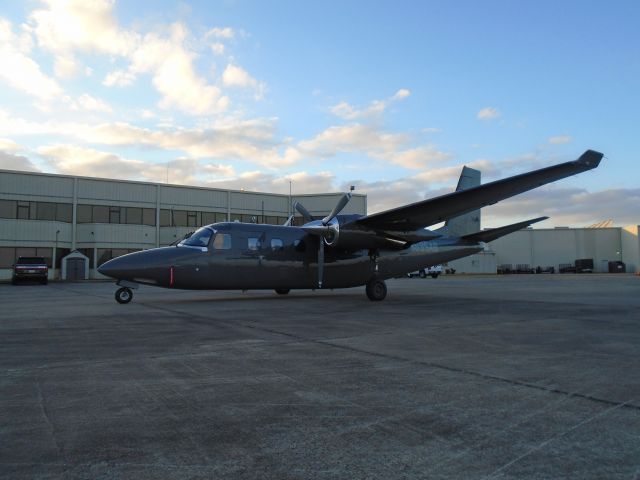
(30, 268)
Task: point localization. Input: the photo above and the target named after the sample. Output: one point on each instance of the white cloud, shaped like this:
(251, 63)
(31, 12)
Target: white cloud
(89, 103)
(74, 160)
(8, 145)
(66, 25)
(119, 78)
(488, 113)
(172, 68)
(21, 72)
(235, 76)
(217, 48)
(376, 107)
(369, 139)
(560, 139)
(65, 66)
(227, 33)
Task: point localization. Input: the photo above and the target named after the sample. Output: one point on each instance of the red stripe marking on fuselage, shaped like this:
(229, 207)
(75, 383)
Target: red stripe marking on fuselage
(171, 277)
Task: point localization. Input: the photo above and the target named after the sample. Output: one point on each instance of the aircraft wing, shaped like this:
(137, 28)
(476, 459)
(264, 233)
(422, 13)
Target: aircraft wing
(434, 210)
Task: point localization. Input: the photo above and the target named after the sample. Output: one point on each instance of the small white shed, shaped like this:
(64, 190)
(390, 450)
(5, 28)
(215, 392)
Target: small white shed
(75, 266)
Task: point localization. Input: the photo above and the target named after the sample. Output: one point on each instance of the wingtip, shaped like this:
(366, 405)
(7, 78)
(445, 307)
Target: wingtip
(590, 158)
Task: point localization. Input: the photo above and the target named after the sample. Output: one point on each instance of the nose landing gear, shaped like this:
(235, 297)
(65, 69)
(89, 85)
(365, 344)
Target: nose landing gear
(124, 295)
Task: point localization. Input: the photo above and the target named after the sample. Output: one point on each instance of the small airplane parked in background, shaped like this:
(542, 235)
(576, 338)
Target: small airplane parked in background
(337, 251)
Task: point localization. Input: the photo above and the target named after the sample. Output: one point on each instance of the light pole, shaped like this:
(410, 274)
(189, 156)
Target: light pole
(55, 254)
(290, 206)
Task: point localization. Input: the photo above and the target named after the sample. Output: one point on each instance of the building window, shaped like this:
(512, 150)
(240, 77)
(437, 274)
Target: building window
(7, 257)
(192, 219)
(100, 214)
(134, 216)
(114, 214)
(83, 214)
(208, 218)
(24, 210)
(64, 212)
(165, 218)
(149, 216)
(45, 211)
(8, 208)
(179, 218)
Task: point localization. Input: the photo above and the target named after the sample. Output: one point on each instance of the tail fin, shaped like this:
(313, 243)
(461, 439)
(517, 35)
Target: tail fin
(468, 222)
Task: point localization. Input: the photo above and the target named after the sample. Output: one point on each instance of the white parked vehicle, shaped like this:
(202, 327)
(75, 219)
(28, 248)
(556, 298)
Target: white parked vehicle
(433, 271)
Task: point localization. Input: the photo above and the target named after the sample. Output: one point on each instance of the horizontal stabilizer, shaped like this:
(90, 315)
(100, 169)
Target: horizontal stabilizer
(492, 234)
(438, 209)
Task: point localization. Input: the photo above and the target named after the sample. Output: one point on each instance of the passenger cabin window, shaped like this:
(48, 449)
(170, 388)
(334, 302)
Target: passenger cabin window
(200, 238)
(277, 244)
(222, 241)
(253, 243)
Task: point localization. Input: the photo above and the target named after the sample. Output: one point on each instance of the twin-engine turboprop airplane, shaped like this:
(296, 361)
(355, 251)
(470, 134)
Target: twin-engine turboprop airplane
(338, 251)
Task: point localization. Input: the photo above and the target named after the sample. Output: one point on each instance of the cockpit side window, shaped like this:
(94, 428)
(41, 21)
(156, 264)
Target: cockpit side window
(200, 238)
(222, 241)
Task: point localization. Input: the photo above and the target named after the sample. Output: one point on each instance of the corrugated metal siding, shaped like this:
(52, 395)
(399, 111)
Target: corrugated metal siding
(114, 235)
(192, 198)
(33, 232)
(252, 203)
(36, 187)
(108, 191)
(323, 204)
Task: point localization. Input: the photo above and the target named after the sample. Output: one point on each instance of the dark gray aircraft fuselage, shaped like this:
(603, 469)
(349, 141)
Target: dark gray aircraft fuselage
(274, 257)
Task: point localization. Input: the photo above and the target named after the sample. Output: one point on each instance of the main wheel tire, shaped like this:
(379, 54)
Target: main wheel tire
(124, 295)
(45, 281)
(282, 291)
(376, 290)
(434, 275)
(422, 274)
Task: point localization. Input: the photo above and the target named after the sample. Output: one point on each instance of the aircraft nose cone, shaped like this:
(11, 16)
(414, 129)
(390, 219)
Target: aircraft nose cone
(112, 268)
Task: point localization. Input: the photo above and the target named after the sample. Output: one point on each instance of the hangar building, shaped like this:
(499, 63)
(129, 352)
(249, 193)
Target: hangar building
(53, 215)
(558, 247)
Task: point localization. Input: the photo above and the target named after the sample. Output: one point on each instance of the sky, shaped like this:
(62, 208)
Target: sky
(393, 97)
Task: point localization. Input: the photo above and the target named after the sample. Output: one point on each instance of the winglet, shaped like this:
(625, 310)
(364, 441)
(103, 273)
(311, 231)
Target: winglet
(590, 159)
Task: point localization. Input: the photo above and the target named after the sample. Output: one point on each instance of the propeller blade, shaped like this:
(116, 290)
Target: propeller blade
(338, 208)
(320, 261)
(303, 211)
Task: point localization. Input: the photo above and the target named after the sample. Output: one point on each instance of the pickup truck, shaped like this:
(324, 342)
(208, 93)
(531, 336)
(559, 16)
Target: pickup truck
(433, 271)
(30, 268)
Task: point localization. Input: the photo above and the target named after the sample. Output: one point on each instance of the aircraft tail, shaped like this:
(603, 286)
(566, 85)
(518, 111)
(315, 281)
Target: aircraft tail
(492, 234)
(468, 222)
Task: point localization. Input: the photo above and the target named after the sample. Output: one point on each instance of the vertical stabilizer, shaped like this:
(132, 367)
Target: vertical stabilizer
(469, 222)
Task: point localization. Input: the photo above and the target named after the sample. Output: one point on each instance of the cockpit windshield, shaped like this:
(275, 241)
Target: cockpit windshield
(200, 238)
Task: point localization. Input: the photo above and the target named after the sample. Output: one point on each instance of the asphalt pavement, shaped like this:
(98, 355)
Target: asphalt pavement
(528, 377)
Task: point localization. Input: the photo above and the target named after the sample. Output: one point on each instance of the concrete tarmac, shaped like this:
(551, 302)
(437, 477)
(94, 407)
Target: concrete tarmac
(528, 377)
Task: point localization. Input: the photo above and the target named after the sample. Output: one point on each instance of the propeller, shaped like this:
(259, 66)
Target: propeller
(322, 229)
(303, 211)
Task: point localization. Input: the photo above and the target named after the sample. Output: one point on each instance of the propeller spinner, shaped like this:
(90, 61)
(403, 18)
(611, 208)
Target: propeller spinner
(324, 229)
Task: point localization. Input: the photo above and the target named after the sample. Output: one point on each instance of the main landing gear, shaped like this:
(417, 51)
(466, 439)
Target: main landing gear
(124, 295)
(282, 291)
(376, 290)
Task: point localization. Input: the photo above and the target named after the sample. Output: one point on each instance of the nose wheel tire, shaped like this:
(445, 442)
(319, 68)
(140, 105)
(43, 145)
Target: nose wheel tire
(124, 295)
(376, 290)
(282, 291)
